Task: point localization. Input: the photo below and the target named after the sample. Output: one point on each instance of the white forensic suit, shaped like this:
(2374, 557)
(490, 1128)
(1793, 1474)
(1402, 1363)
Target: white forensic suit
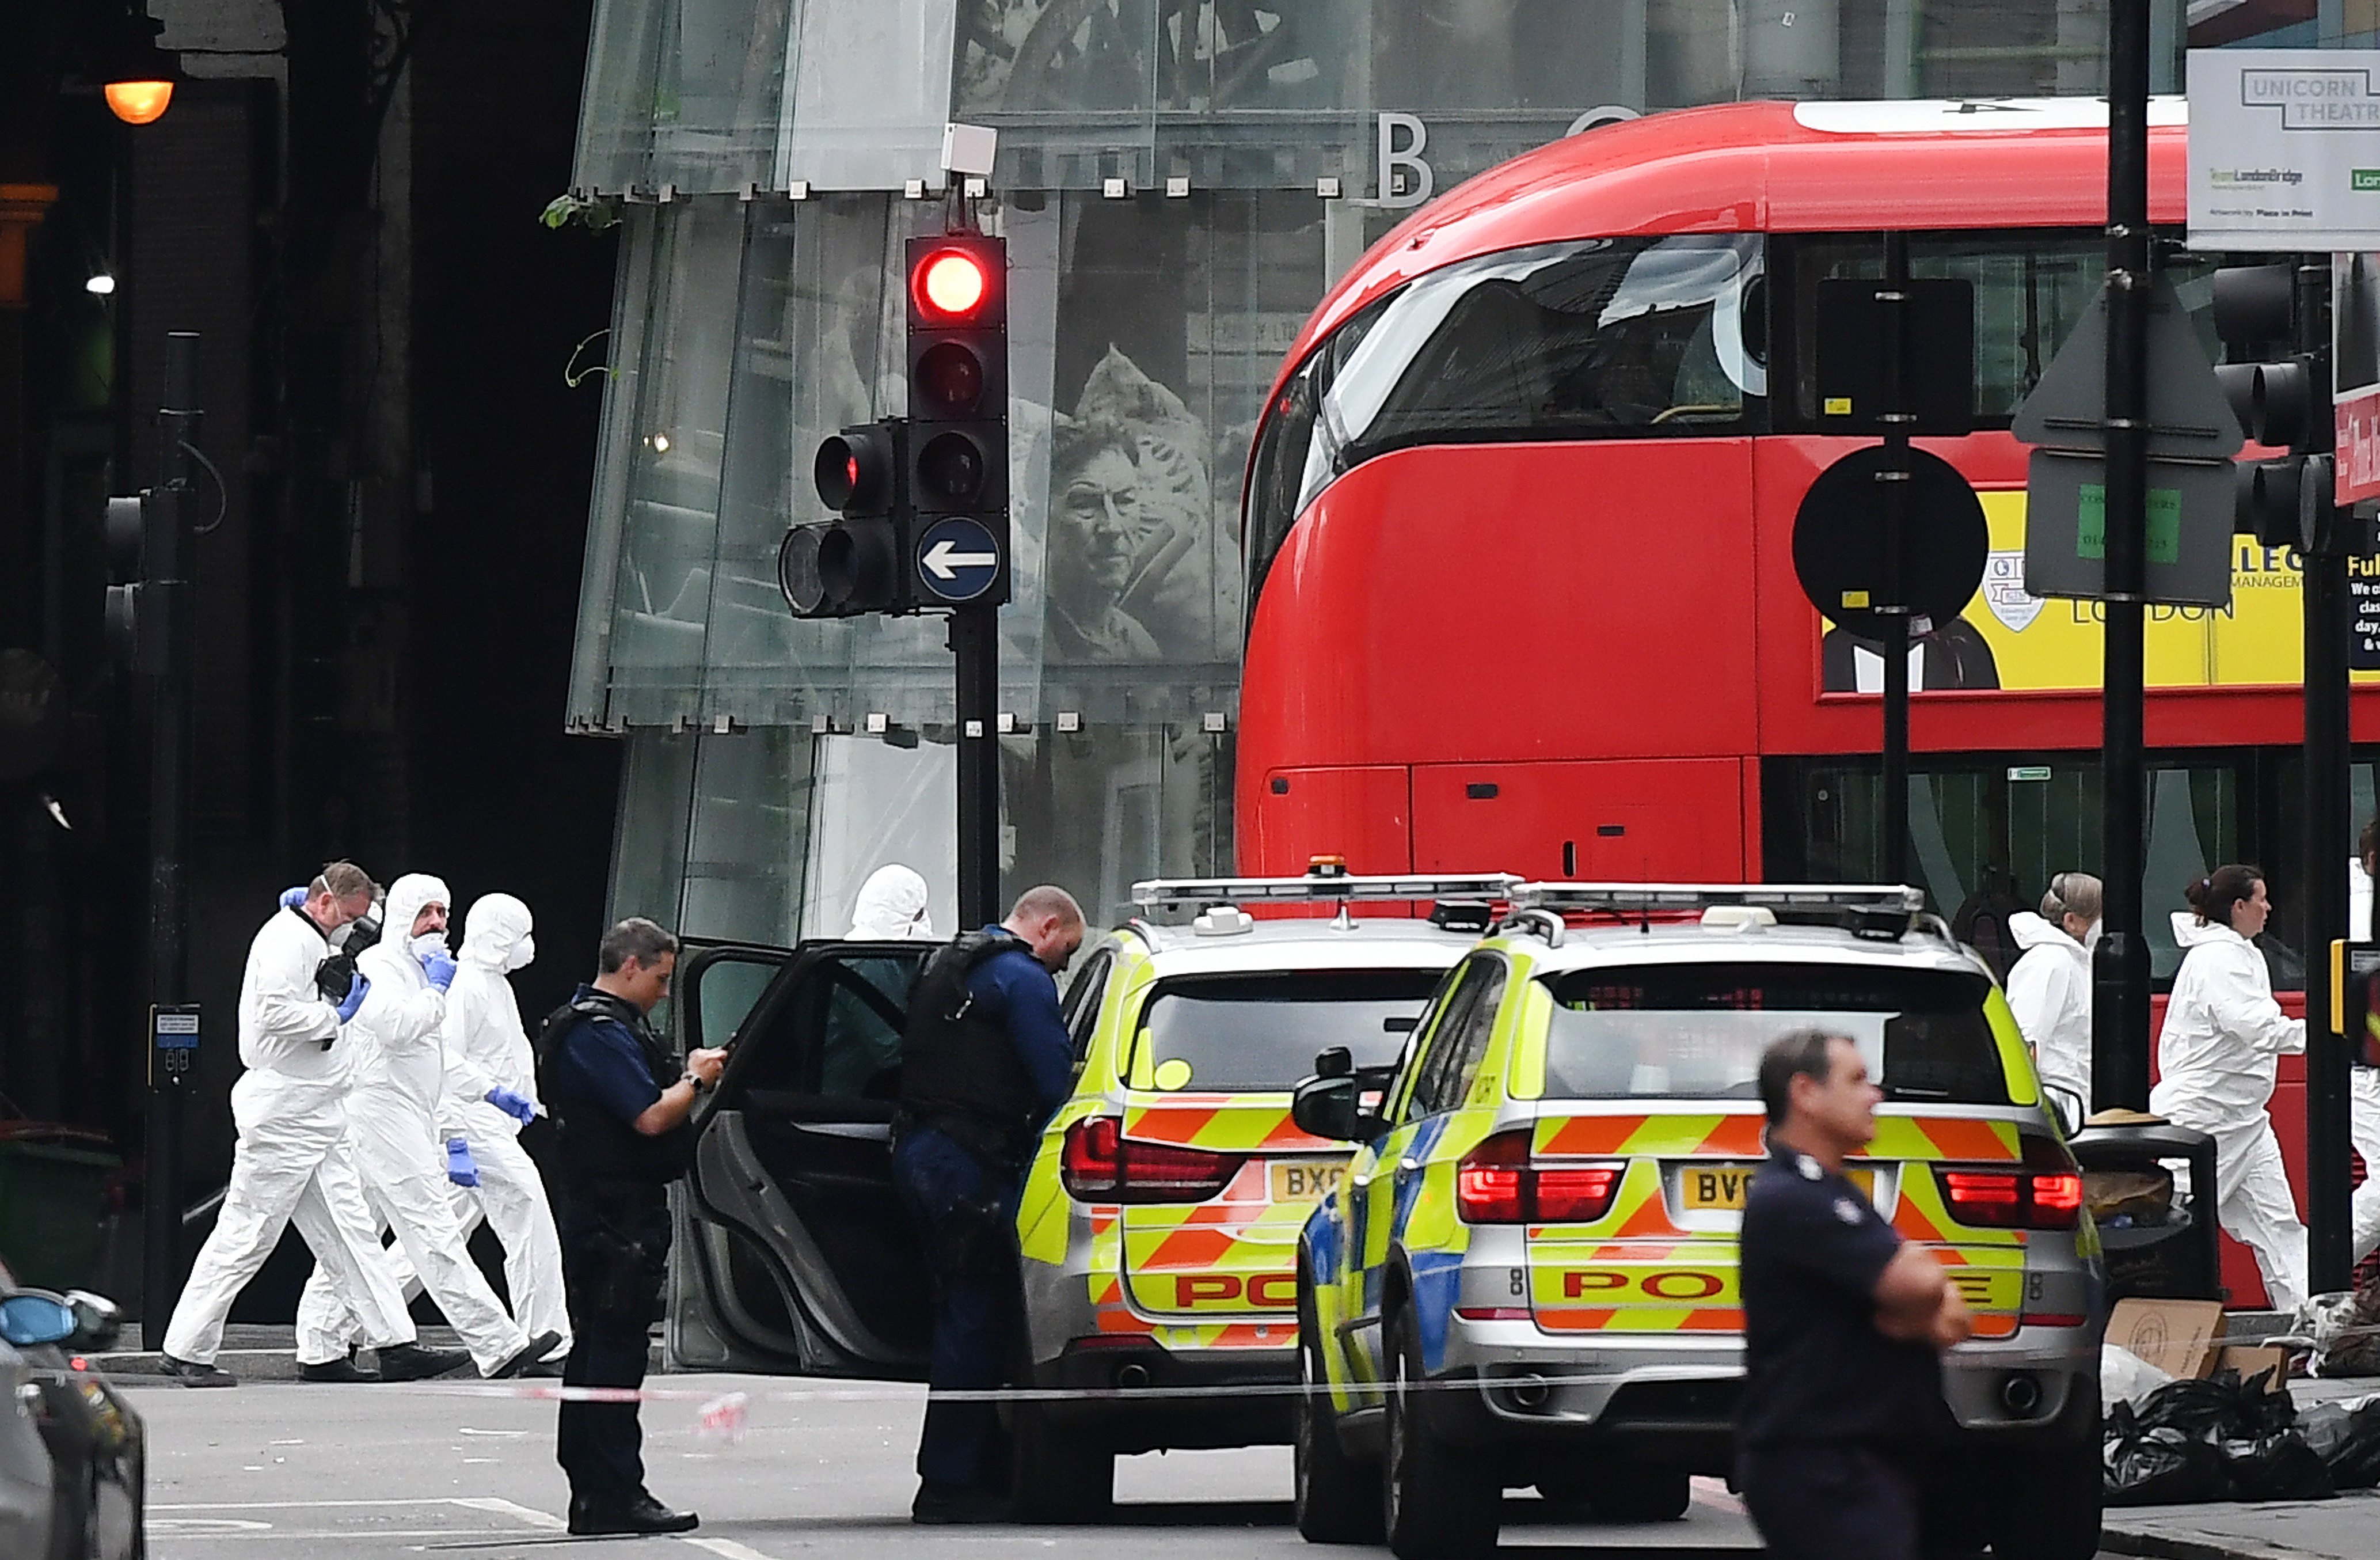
(2222, 1038)
(487, 1049)
(2049, 993)
(2362, 1090)
(891, 905)
(292, 1163)
(400, 1068)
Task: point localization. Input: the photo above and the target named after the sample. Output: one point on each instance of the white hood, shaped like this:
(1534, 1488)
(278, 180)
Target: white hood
(2038, 932)
(405, 898)
(496, 932)
(2189, 931)
(892, 904)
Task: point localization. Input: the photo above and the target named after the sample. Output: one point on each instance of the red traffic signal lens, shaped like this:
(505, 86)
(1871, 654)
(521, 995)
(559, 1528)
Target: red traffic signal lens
(951, 282)
(951, 377)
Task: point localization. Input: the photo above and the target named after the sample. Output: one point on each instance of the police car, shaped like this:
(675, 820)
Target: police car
(1528, 1274)
(1160, 1218)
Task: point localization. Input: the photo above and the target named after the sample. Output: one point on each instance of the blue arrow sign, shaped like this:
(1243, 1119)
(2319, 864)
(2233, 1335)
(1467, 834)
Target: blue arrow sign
(958, 558)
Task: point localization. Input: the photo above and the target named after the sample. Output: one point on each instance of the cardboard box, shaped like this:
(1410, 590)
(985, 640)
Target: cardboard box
(2250, 1360)
(2177, 1336)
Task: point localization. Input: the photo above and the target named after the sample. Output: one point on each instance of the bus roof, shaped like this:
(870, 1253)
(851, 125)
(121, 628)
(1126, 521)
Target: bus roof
(1778, 167)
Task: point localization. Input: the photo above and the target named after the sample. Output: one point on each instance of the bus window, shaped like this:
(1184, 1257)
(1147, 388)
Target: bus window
(2032, 287)
(1598, 338)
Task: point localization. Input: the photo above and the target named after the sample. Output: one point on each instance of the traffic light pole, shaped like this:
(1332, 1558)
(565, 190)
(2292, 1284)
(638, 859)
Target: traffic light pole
(169, 764)
(975, 644)
(2119, 1017)
(2328, 612)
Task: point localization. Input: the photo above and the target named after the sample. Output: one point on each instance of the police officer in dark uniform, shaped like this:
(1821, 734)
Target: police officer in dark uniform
(984, 1060)
(1843, 1325)
(620, 1107)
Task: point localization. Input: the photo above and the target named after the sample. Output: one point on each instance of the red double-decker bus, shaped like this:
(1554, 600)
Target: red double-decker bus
(1519, 526)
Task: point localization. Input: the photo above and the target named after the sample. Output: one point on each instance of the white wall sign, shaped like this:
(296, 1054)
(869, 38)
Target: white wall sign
(2284, 149)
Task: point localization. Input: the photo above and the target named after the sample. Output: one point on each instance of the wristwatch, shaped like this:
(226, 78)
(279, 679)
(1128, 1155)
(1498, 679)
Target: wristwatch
(696, 1079)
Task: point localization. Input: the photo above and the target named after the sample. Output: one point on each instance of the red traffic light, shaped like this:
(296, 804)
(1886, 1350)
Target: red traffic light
(854, 469)
(949, 284)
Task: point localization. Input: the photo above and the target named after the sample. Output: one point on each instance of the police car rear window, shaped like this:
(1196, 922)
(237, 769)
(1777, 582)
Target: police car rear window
(1695, 1031)
(1229, 1032)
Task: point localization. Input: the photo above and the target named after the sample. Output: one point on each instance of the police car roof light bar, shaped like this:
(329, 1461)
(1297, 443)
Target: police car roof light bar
(1320, 889)
(1681, 897)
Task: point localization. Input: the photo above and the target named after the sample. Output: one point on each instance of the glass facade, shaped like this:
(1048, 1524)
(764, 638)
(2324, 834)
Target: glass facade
(762, 153)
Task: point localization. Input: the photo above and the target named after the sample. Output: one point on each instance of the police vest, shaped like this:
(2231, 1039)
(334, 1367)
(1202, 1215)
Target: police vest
(595, 1151)
(960, 1072)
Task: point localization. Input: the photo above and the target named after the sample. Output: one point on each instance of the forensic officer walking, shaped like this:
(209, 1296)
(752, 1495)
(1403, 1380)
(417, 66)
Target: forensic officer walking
(1843, 1326)
(623, 1137)
(985, 1059)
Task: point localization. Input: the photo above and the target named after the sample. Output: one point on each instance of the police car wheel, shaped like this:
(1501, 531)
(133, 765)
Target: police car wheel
(1436, 1502)
(1058, 1475)
(1338, 1498)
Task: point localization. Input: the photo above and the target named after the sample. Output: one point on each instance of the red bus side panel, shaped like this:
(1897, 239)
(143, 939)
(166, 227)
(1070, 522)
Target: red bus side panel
(1632, 821)
(1361, 812)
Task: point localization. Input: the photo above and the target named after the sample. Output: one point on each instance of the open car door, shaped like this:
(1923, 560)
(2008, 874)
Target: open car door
(793, 1256)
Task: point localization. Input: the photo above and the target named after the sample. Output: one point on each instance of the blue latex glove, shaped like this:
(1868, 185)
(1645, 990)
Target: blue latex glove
(354, 997)
(459, 1168)
(293, 897)
(519, 1108)
(440, 968)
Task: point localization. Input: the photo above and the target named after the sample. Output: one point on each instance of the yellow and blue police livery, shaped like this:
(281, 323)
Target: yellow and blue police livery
(1528, 1274)
(1157, 1232)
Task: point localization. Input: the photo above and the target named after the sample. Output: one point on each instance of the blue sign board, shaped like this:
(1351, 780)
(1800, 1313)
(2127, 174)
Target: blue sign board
(958, 558)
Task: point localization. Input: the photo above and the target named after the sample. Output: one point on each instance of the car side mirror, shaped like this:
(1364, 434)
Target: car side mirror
(1336, 1061)
(30, 1319)
(98, 1321)
(1332, 1108)
(2066, 1105)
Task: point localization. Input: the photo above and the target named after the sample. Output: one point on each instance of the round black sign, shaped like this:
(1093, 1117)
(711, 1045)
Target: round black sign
(1839, 536)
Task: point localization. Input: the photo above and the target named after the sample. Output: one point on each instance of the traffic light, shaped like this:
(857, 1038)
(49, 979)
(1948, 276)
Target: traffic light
(143, 538)
(2278, 385)
(958, 420)
(842, 569)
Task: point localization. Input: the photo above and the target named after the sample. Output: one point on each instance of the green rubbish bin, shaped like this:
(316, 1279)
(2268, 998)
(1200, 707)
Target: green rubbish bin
(52, 1199)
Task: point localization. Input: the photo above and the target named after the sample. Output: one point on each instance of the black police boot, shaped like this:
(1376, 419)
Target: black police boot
(190, 1373)
(344, 1369)
(519, 1363)
(411, 1362)
(938, 1504)
(643, 1514)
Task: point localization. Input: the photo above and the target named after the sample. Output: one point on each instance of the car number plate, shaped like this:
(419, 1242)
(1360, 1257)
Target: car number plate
(1306, 1183)
(1704, 1189)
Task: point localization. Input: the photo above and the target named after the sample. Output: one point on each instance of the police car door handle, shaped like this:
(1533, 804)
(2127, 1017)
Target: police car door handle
(875, 1131)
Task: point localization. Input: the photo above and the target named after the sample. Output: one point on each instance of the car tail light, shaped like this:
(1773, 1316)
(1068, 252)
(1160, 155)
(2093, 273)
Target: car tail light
(1100, 1165)
(1491, 1182)
(1497, 1184)
(2044, 1193)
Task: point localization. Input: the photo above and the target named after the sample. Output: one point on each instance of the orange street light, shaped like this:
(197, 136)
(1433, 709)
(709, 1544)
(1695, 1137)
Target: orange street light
(139, 102)
(138, 76)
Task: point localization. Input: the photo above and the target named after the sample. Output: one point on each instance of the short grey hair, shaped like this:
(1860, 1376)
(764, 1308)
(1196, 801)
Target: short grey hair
(1048, 899)
(1802, 1054)
(343, 880)
(644, 940)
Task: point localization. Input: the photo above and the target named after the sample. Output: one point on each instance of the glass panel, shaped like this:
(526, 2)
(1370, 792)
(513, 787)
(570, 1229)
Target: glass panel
(876, 803)
(1696, 1032)
(648, 844)
(683, 94)
(1098, 809)
(615, 463)
(750, 838)
(871, 93)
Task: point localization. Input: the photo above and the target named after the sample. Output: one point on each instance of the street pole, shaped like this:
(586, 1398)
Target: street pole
(2328, 610)
(974, 642)
(1895, 480)
(2120, 1019)
(169, 763)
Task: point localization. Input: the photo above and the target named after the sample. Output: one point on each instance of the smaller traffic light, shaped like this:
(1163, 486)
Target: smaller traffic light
(2278, 385)
(143, 598)
(844, 567)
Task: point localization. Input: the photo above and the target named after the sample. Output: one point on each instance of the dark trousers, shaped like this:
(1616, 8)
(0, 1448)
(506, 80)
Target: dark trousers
(613, 1259)
(963, 1214)
(1831, 1501)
